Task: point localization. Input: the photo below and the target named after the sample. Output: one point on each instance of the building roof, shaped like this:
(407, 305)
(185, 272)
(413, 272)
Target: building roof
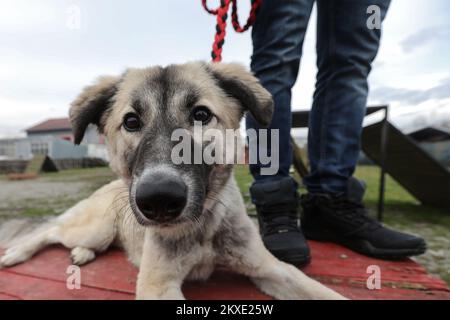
(51, 125)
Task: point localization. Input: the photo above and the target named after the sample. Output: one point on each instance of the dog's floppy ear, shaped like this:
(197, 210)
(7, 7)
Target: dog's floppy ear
(90, 105)
(239, 83)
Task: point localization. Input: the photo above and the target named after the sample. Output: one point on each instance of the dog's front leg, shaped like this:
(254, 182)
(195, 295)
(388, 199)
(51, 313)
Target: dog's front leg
(159, 278)
(285, 281)
(274, 277)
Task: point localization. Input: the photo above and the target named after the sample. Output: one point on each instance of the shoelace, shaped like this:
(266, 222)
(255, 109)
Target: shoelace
(352, 212)
(279, 219)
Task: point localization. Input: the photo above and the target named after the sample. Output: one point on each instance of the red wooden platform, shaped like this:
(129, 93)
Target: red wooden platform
(111, 276)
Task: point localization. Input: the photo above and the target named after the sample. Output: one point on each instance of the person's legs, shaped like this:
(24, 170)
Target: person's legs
(277, 37)
(277, 46)
(346, 47)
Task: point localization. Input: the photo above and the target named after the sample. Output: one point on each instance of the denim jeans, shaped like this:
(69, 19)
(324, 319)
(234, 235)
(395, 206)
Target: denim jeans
(345, 48)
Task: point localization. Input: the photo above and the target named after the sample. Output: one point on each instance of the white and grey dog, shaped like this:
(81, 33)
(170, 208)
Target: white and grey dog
(175, 222)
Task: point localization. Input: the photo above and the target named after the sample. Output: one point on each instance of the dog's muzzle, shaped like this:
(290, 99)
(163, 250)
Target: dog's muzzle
(161, 197)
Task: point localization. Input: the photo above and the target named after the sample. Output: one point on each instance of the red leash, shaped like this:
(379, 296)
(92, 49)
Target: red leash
(222, 14)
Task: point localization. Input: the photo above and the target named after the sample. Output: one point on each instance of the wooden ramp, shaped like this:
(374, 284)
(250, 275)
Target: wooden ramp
(402, 158)
(111, 276)
(39, 163)
(417, 171)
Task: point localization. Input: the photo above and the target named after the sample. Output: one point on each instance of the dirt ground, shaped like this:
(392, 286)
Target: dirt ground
(17, 191)
(17, 196)
(50, 194)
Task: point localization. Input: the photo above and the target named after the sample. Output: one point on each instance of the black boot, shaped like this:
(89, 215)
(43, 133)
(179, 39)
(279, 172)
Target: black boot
(344, 220)
(277, 206)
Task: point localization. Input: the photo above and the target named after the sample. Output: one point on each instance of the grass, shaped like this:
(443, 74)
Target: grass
(400, 206)
(93, 177)
(99, 175)
(37, 212)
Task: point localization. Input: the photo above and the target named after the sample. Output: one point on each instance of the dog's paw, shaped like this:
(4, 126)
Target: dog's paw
(13, 256)
(80, 255)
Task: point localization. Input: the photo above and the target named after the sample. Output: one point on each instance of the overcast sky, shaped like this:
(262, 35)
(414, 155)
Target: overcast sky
(46, 57)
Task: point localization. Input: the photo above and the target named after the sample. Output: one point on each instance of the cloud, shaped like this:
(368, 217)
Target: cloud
(413, 118)
(412, 96)
(424, 37)
(16, 115)
(22, 15)
(44, 64)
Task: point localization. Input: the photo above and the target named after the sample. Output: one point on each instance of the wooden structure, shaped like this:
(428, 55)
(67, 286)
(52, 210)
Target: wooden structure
(396, 154)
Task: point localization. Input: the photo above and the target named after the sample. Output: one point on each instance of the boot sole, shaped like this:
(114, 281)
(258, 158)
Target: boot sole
(366, 248)
(298, 260)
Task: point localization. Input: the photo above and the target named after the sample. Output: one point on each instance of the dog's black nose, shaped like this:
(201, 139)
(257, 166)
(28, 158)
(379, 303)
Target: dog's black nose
(161, 197)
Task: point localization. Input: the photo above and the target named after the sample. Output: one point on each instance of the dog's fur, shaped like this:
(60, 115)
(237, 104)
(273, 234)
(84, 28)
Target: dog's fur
(213, 228)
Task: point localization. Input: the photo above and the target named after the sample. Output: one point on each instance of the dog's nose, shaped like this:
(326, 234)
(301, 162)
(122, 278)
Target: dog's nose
(161, 197)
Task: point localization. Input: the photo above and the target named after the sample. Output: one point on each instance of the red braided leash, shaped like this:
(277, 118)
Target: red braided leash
(222, 14)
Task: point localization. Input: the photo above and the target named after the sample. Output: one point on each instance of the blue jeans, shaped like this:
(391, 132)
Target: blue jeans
(345, 48)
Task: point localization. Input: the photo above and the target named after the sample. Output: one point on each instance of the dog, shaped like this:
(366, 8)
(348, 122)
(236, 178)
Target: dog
(175, 222)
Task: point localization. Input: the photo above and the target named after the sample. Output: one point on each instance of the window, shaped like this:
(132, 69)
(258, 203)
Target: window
(39, 147)
(7, 148)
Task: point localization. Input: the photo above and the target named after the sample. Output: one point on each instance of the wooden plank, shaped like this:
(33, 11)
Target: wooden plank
(33, 288)
(111, 276)
(331, 261)
(389, 294)
(223, 286)
(298, 163)
(111, 271)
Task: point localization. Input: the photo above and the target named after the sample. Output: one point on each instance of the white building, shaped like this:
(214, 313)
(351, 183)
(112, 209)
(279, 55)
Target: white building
(54, 138)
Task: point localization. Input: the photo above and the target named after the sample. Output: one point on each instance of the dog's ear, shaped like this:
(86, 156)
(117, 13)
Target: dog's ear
(240, 84)
(91, 104)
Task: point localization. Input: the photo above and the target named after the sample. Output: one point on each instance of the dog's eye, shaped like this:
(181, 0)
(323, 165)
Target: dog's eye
(202, 114)
(131, 122)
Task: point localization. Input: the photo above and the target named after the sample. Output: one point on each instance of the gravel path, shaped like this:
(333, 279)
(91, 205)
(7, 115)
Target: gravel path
(16, 191)
(38, 197)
